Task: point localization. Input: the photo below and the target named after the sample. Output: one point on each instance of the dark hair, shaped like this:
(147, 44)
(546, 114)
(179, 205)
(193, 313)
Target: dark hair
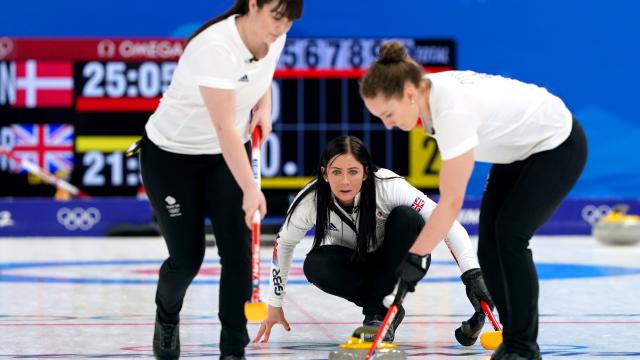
(366, 234)
(390, 72)
(292, 9)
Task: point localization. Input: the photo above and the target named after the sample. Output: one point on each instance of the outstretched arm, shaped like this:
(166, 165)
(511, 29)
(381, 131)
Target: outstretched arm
(454, 175)
(459, 244)
(291, 233)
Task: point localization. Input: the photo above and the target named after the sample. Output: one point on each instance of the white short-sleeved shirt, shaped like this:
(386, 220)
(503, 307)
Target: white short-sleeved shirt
(391, 191)
(502, 119)
(215, 58)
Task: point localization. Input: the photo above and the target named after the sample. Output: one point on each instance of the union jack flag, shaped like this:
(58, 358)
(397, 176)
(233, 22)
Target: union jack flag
(49, 146)
(418, 204)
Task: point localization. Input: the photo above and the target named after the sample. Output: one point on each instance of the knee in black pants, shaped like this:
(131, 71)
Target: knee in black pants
(401, 230)
(331, 269)
(403, 224)
(188, 268)
(312, 262)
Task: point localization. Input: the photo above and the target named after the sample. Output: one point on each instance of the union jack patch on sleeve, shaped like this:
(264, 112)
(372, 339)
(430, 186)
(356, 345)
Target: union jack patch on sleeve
(418, 204)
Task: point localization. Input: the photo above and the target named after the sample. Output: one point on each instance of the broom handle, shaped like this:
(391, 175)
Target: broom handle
(489, 313)
(255, 227)
(44, 174)
(391, 314)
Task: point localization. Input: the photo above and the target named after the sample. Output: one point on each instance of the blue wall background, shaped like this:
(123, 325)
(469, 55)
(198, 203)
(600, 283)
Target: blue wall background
(585, 51)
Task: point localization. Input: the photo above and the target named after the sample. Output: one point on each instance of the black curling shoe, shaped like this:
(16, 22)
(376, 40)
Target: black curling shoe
(376, 321)
(166, 341)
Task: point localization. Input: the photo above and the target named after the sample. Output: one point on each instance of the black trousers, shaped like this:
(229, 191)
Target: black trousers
(183, 189)
(332, 268)
(518, 199)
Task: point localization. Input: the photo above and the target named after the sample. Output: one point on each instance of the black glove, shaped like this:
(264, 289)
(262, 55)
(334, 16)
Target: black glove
(413, 269)
(476, 289)
(468, 332)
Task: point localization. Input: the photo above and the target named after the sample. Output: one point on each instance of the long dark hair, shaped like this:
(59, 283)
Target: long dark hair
(366, 234)
(292, 9)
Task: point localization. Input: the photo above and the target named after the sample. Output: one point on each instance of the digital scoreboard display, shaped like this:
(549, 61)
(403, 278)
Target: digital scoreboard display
(72, 106)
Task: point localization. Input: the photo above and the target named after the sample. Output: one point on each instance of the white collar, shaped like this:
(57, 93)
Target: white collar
(237, 39)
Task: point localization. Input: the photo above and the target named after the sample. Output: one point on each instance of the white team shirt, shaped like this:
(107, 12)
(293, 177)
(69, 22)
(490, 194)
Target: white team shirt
(502, 119)
(215, 58)
(390, 193)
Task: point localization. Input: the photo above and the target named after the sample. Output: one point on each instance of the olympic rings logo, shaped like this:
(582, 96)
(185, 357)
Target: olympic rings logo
(78, 218)
(593, 213)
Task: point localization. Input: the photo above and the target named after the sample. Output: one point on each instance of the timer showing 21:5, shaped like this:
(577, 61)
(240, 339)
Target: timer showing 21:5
(109, 169)
(117, 79)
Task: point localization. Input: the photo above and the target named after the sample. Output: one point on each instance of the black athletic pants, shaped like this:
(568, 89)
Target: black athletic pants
(518, 199)
(333, 270)
(183, 189)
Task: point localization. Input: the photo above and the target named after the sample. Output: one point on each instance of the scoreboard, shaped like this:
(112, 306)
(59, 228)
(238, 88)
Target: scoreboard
(73, 106)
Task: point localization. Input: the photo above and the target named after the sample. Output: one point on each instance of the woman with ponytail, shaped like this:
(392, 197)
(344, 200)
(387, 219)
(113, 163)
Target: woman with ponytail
(537, 149)
(195, 163)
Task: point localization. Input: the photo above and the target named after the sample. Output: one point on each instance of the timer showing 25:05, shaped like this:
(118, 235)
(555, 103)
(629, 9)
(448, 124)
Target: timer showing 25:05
(117, 79)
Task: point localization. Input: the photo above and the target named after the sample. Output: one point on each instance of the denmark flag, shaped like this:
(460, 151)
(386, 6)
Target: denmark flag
(44, 84)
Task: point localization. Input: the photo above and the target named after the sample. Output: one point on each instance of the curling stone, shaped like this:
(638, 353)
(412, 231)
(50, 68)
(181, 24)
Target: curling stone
(617, 228)
(358, 345)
